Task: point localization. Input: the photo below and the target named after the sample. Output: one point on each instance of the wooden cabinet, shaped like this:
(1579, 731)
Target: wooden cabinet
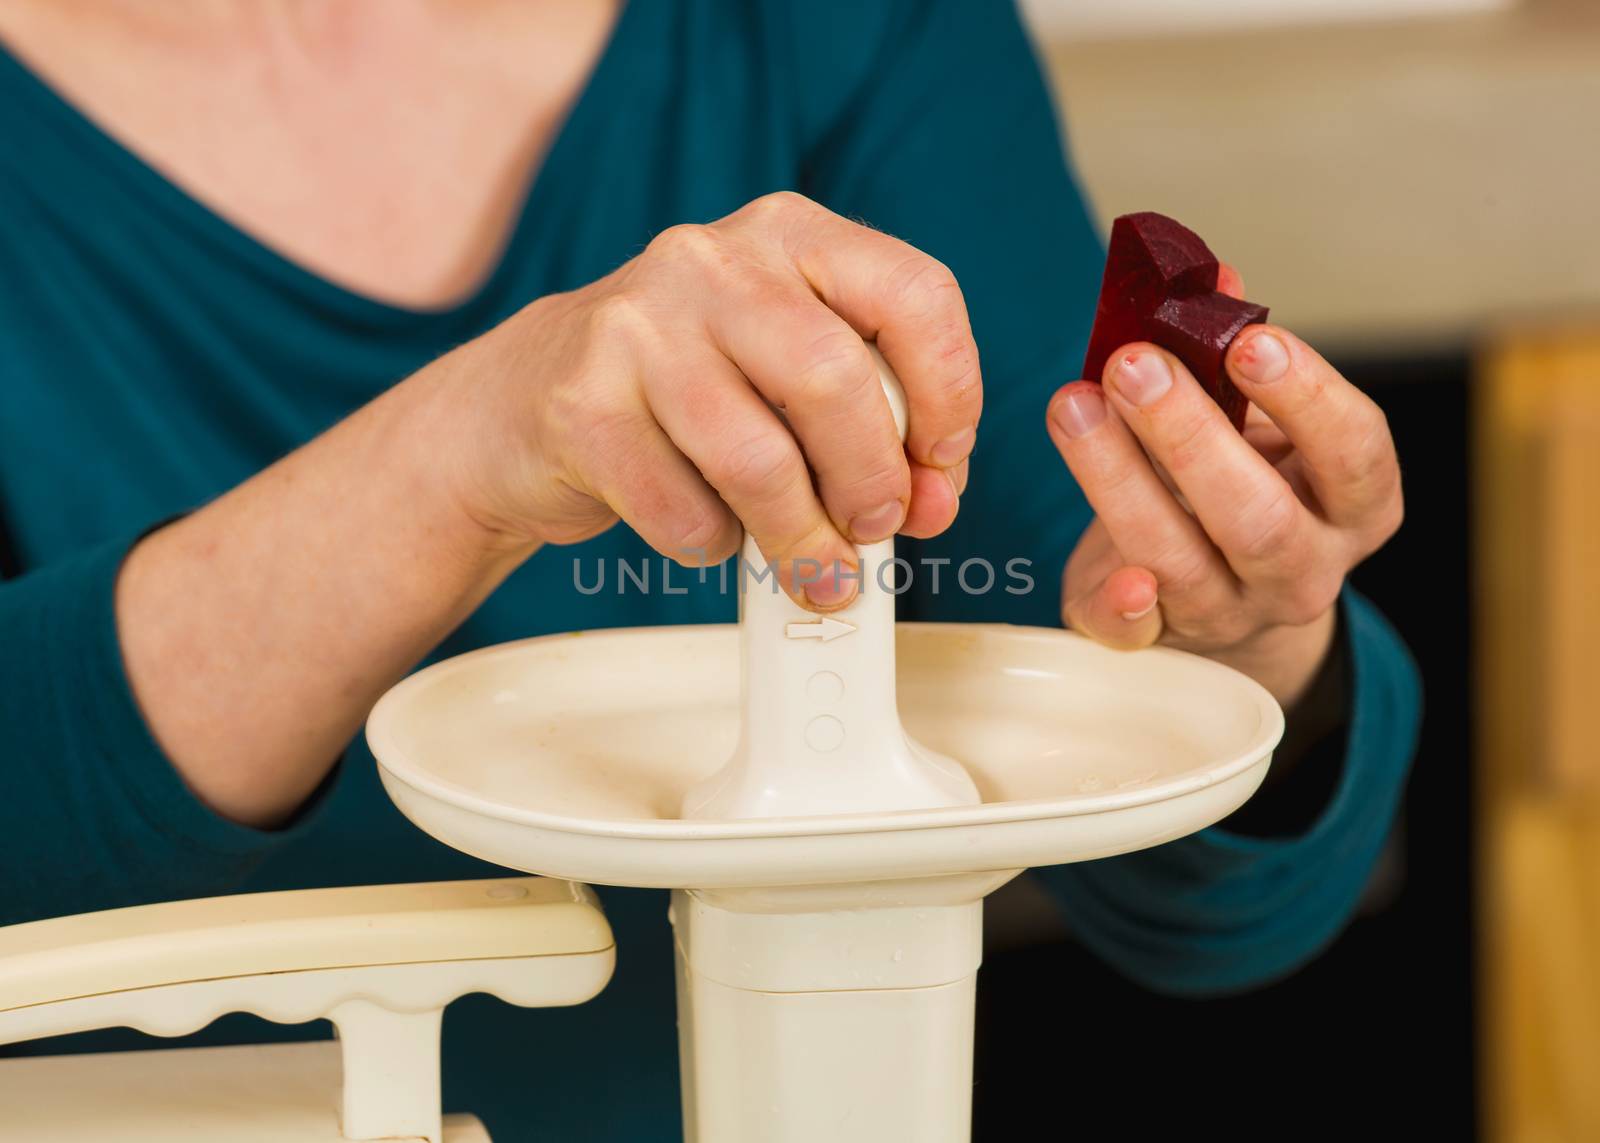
(1537, 590)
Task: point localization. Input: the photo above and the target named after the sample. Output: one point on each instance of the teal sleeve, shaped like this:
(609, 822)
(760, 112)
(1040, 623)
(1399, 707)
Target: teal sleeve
(951, 143)
(1218, 912)
(92, 814)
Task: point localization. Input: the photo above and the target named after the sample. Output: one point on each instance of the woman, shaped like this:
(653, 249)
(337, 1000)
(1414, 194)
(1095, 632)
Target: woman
(326, 327)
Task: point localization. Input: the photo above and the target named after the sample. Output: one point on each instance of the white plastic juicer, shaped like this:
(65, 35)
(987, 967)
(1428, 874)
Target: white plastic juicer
(828, 868)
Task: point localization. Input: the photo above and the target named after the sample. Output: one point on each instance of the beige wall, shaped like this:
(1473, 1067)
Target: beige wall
(1393, 184)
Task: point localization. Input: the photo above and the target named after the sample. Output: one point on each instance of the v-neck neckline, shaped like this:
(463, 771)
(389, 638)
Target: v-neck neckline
(519, 236)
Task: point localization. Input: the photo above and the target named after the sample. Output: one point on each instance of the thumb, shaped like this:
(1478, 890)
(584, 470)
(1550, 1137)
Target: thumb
(1121, 611)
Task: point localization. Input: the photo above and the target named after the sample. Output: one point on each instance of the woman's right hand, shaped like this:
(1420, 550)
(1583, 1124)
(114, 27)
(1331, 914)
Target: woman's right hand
(259, 630)
(648, 397)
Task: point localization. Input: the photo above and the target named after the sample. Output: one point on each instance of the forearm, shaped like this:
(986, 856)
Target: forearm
(258, 631)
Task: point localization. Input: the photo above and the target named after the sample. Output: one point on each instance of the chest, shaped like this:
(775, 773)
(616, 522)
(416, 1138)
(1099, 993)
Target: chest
(161, 346)
(384, 149)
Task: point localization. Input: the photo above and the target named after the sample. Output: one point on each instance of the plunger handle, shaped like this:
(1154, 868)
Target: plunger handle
(821, 731)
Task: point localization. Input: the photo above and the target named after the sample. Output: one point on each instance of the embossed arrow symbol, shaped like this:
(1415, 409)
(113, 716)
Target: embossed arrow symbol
(827, 629)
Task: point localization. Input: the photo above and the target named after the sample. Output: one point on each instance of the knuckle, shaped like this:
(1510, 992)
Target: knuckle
(1115, 485)
(1190, 441)
(924, 286)
(1370, 463)
(960, 376)
(1275, 535)
(1182, 573)
(688, 242)
(889, 480)
(835, 367)
(620, 316)
(776, 206)
(763, 466)
(702, 538)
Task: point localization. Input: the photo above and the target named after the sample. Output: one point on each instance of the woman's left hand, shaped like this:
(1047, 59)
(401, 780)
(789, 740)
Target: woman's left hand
(1234, 547)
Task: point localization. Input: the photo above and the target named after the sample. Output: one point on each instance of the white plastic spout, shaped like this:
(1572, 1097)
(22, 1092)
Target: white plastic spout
(850, 1026)
(820, 727)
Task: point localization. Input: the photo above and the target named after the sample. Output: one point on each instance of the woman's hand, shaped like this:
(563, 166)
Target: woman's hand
(1231, 546)
(648, 396)
(259, 630)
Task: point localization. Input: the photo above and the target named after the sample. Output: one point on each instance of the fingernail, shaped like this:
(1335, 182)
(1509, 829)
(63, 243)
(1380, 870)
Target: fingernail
(834, 586)
(1135, 616)
(1262, 358)
(1079, 412)
(952, 450)
(1143, 378)
(878, 524)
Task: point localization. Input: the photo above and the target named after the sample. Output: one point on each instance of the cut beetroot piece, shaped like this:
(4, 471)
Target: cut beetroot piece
(1160, 285)
(1198, 330)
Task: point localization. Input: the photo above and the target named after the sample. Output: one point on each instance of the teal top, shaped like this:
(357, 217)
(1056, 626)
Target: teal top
(153, 355)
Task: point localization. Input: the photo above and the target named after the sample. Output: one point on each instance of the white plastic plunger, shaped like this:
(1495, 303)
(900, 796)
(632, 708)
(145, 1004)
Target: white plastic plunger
(828, 880)
(820, 728)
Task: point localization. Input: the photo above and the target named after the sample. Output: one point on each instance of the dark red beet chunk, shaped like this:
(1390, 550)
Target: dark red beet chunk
(1160, 285)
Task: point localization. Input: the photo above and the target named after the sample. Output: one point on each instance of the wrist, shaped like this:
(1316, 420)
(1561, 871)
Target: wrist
(453, 441)
(1284, 659)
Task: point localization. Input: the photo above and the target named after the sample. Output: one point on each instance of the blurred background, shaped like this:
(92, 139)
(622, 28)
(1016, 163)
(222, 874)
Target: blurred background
(1412, 184)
